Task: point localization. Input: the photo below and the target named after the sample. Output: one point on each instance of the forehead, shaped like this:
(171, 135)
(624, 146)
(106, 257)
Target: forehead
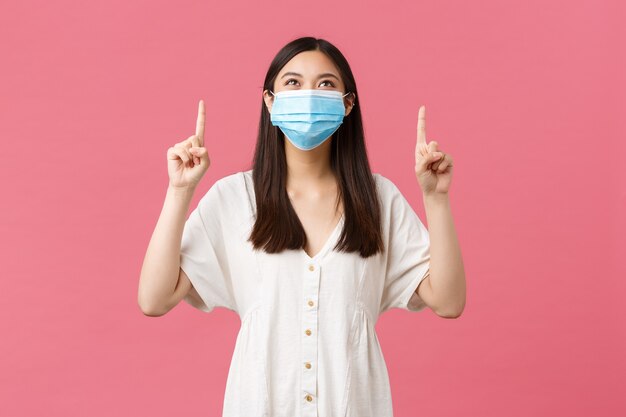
(309, 64)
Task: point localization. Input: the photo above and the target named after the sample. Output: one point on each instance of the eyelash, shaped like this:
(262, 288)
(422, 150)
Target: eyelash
(325, 81)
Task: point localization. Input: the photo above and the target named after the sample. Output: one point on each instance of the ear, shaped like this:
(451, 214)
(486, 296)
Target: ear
(351, 99)
(269, 100)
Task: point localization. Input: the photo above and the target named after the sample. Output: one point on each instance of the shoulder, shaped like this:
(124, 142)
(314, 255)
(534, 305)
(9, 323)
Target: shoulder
(387, 189)
(229, 186)
(227, 193)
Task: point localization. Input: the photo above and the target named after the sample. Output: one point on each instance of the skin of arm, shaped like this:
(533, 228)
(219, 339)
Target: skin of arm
(445, 288)
(159, 288)
(162, 284)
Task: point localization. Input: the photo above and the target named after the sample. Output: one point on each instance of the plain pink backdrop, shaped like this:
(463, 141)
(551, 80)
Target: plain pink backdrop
(528, 97)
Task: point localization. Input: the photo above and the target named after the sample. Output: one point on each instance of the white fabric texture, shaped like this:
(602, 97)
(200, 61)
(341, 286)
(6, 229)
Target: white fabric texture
(307, 346)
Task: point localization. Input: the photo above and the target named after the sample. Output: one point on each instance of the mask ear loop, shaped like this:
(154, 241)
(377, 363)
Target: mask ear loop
(350, 92)
(336, 141)
(275, 127)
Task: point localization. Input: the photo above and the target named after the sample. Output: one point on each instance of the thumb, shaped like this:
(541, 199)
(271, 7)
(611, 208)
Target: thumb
(199, 152)
(426, 160)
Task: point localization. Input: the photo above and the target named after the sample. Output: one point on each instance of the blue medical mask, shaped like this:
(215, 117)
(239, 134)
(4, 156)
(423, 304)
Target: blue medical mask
(308, 117)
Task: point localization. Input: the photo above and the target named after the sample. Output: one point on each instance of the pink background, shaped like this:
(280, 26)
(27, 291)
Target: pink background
(528, 97)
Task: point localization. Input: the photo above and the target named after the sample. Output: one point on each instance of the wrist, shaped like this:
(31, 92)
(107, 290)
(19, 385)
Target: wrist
(184, 193)
(435, 198)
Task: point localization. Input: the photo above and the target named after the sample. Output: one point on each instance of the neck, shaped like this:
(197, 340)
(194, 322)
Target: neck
(306, 167)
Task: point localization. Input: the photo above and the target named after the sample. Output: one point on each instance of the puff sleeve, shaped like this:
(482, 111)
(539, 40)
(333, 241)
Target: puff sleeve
(408, 254)
(203, 255)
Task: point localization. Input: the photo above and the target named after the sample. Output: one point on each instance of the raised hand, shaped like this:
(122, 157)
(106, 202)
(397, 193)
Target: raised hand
(433, 168)
(187, 161)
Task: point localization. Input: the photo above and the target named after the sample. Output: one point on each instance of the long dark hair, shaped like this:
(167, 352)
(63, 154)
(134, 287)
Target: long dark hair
(277, 226)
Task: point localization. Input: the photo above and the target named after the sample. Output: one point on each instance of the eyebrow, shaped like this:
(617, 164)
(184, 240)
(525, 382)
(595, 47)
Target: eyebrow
(326, 74)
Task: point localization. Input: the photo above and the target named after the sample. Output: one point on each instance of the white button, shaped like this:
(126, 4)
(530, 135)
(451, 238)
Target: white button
(311, 267)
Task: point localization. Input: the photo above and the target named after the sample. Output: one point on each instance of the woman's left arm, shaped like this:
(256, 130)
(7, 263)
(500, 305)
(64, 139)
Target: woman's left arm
(444, 289)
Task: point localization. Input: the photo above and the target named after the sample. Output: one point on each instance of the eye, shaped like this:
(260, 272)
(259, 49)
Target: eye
(331, 84)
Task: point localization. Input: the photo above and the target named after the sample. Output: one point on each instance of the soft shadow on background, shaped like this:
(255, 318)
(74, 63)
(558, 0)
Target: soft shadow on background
(528, 97)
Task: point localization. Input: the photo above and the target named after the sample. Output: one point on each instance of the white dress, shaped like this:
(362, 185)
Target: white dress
(307, 346)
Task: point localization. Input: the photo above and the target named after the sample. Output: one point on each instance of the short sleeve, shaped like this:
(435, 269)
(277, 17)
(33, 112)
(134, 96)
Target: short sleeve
(408, 254)
(203, 255)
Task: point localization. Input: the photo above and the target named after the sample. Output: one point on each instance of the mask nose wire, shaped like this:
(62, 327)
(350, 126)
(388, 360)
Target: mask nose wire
(272, 93)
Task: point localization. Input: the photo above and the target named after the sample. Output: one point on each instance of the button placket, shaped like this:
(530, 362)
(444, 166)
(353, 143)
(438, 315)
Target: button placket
(309, 338)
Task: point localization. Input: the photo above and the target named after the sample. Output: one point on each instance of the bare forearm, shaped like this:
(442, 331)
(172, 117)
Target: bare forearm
(160, 269)
(447, 273)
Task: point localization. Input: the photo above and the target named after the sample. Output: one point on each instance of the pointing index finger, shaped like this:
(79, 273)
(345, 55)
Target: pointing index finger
(421, 125)
(200, 122)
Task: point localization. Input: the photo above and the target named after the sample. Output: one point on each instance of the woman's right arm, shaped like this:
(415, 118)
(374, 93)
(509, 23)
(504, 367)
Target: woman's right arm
(162, 283)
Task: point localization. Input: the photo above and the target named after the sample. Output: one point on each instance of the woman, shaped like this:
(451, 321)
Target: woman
(308, 247)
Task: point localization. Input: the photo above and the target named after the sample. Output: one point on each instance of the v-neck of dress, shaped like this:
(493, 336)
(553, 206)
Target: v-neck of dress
(330, 241)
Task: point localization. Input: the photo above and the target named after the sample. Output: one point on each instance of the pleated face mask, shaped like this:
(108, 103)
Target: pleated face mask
(308, 117)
